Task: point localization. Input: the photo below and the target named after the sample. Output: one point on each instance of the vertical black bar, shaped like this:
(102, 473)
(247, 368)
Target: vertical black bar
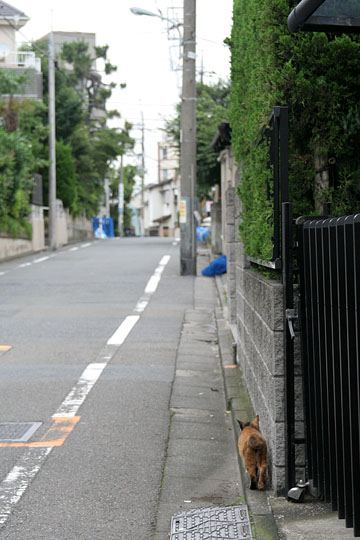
(288, 286)
(329, 357)
(322, 352)
(336, 367)
(352, 360)
(284, 153)
(310, 346)
(356, 374)
(317, 441)
(305, 342)
(277, 207)
(344, 373)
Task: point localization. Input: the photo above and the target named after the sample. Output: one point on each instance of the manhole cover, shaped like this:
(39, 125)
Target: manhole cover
(17, 431)
(230, 522)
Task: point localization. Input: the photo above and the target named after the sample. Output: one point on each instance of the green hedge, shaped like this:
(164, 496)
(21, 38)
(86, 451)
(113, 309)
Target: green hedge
(317, 76)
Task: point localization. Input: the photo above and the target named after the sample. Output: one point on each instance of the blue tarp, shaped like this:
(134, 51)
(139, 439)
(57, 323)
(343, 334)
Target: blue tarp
(103, 227)
(216, 267)
(202, 233)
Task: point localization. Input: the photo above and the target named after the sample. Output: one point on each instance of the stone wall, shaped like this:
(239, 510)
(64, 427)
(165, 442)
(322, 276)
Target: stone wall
(260, 355)
(229, 182)
(79, 228)
(255, 314)
(69, 230)
(15, 247)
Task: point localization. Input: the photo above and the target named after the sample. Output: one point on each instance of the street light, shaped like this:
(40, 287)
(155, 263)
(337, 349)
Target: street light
(188, 135)
(141, 11)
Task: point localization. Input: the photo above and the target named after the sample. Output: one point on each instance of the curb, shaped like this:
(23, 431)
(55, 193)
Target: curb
(239, 404)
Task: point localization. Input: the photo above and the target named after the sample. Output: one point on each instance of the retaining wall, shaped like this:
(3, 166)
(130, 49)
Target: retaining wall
(255, 314)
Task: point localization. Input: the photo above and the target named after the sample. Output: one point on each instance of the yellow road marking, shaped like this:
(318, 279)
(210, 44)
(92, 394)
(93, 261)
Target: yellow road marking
(5, 348)
(231, 366)
(56, 435)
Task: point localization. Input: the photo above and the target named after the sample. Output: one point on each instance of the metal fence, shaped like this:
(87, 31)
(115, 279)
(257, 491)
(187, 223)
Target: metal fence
(329, 258)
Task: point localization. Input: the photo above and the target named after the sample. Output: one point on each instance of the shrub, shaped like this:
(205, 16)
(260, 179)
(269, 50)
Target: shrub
(316, 75)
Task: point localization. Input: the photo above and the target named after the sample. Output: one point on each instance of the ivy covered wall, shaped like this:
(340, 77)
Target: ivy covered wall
(317, 76)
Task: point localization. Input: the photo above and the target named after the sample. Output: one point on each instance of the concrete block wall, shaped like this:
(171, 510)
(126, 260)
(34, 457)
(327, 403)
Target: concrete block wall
(255, 314)
(15, 247)
(260, 355)
(229, 182)
(38, 228)
(78, 228)
(69, 230)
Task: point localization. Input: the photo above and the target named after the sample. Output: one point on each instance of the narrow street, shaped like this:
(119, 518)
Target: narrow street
(99, 388)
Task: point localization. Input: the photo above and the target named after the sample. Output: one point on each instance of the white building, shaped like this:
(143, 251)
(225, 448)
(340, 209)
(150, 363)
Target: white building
(161, 199)
(15, 61)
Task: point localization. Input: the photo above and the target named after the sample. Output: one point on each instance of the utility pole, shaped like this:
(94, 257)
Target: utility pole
(188, 144)
(52, 146)
(121, 198)
(142, 174)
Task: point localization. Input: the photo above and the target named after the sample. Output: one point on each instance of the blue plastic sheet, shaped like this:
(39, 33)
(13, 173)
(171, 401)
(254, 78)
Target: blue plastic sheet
(216, 267)
(103, 227)
(202, 233)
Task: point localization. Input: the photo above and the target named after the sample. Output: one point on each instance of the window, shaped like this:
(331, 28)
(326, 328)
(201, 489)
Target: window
(4, 49)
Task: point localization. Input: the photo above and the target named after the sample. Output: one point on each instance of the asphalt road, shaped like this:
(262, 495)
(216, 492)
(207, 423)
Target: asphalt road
(93, 469)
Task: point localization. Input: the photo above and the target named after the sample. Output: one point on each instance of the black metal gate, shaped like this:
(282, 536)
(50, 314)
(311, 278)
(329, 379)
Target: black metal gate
(329, 263)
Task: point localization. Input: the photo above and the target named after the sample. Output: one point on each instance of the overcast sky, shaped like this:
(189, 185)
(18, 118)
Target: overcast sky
(139, 46)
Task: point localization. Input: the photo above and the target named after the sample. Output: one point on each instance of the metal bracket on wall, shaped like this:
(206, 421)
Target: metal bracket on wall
(291, 316)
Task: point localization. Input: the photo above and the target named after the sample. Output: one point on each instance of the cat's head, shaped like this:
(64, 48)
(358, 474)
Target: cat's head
(254, 423)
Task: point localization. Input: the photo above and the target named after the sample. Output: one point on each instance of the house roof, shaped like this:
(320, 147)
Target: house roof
(162, 219)
(160, 184)
(9, 12)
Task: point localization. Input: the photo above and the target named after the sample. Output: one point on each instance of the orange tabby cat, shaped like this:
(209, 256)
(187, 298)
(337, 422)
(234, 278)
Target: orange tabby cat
(253, 450)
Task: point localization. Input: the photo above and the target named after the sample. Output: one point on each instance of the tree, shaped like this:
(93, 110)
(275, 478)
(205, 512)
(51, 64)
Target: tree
(129, 174)
(22, 136)
(80, 94)
(211, 110)
(66, 176)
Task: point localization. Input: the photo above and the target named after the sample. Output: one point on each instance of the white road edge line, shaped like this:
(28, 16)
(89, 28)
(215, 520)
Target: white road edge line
(13, 487)
(124, 330)
(153, 282)
(41, 259)
(80, 391)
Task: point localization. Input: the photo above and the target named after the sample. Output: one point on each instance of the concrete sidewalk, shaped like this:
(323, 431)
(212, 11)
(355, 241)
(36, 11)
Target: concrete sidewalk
(273, 517)
(202, 466)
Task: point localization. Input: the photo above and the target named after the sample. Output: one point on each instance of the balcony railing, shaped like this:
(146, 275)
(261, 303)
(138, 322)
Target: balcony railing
(21, 59)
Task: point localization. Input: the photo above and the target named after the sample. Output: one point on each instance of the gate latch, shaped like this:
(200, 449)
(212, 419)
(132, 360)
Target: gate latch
(291, 315)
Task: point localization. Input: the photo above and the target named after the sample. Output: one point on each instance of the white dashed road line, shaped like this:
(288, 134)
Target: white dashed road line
(124, 330)
(20, 477)
(41, 259)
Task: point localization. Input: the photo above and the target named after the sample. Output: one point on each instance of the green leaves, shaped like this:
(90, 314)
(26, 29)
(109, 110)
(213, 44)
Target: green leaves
(86, 147)
(16, 167)
(317, 76)
(211, 110)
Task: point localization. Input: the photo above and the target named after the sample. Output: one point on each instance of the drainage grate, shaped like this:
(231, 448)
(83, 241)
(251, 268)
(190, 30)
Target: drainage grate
(17, 431)
(230, 522)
